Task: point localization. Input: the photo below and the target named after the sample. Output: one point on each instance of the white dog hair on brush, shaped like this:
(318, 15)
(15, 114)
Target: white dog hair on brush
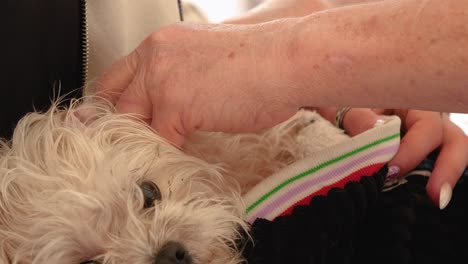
(108, 189)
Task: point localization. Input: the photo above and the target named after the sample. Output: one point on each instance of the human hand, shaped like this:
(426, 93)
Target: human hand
(450, 164)
(188, 77)
(423, 132)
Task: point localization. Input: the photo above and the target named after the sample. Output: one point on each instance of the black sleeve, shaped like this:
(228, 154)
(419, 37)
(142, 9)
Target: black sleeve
(42, 56)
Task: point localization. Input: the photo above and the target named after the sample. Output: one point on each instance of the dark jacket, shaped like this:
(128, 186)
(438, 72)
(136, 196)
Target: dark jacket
(44, 56)
(44, 47)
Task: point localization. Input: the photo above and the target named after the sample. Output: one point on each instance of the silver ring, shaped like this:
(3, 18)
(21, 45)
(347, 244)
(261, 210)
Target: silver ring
(339, 117)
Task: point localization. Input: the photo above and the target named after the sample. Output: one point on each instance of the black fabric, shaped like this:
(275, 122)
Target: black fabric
(41, 48)
(361, 224)
(321, 232)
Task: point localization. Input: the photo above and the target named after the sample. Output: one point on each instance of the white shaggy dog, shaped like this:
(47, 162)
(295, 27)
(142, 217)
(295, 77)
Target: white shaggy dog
(104, 188)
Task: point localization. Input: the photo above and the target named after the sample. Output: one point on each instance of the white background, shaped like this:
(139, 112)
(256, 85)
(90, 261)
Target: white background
(217, 10)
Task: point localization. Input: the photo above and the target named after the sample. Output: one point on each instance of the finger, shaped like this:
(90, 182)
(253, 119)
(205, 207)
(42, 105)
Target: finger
(450, 164)
(424, 134)
(358, 120)
(355, 121)
(383, 111)
(113, 82)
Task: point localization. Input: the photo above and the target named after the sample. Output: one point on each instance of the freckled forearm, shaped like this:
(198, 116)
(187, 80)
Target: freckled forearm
(392, 54)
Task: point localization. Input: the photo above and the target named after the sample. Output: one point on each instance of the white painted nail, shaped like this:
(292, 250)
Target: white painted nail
(445, 195)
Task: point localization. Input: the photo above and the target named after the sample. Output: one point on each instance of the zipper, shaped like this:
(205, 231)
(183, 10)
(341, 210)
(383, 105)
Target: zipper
(181, 12)
(84, 42)
(85, 38)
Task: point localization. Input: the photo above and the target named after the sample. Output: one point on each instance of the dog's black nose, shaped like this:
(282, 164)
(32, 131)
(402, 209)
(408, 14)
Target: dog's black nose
(173, 253)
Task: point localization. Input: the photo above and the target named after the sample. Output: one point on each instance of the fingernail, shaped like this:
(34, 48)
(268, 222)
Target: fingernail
(381, 121)
(445, 195)
(393, 172)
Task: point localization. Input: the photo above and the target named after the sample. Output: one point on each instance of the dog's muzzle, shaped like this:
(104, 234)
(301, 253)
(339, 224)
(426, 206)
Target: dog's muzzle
(172, 253)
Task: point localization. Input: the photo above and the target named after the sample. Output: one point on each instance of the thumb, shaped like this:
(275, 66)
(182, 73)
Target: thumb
(135, 100)
(170, 127)
(121, 73)
(424, 134)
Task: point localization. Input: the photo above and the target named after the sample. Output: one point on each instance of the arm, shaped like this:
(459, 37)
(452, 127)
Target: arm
(393, 54)
(242, 78)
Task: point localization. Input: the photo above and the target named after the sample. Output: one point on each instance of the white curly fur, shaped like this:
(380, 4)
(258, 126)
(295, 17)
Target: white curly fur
(70, 186)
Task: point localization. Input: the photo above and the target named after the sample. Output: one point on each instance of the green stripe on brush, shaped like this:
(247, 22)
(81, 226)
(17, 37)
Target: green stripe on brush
(319, 167)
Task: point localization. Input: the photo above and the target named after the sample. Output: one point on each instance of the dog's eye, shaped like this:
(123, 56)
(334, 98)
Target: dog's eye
(151, 193)
(89, 262)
